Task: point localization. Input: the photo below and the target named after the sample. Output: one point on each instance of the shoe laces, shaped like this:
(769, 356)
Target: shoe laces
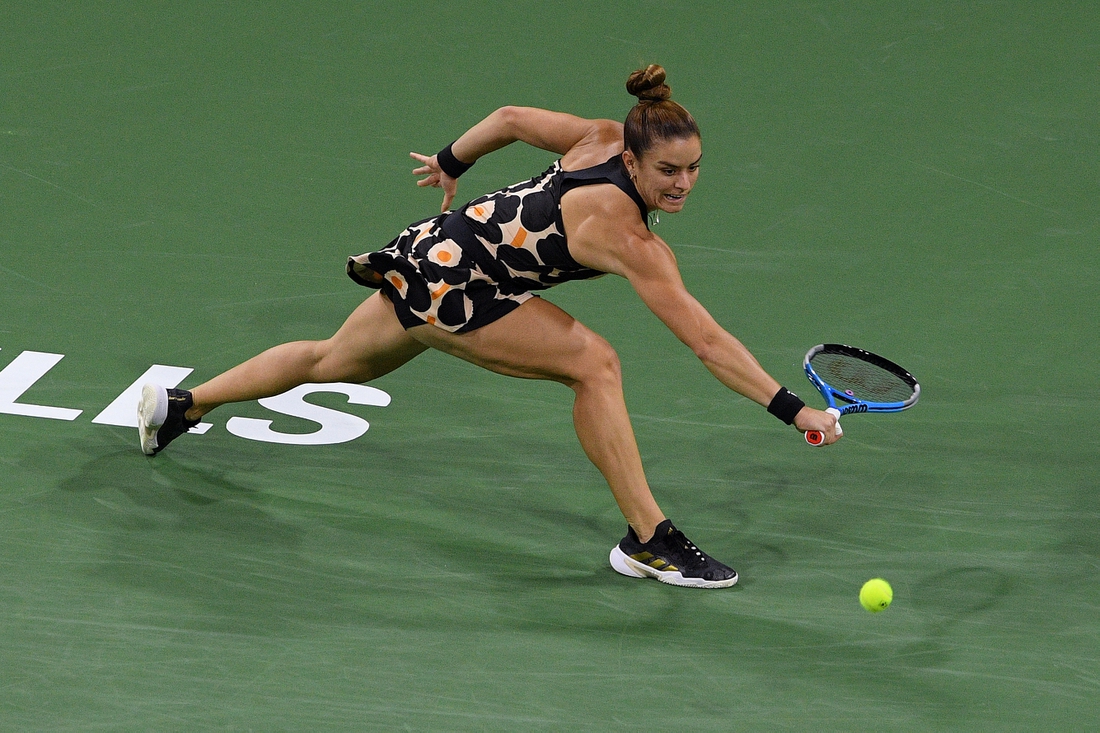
(692, 555)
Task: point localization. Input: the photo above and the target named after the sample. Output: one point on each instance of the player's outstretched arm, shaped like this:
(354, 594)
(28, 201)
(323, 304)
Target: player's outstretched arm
(721, 352)
(656, 279)
(649, 264)
(658, 283)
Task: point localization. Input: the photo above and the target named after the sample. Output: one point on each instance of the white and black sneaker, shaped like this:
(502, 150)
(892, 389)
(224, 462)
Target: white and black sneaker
(161, 417)
(671, 558)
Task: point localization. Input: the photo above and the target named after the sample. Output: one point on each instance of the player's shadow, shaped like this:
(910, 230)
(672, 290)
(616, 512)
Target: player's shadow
(235, 559)
(185, 537)
(950, 598)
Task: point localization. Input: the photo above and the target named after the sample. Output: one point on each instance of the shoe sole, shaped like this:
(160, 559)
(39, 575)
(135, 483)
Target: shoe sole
(628, 566)
(152, 412)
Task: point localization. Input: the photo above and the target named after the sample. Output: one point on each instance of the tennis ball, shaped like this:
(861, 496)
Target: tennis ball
(875, 595)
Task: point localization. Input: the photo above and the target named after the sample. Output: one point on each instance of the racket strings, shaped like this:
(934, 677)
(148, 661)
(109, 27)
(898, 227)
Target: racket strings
(861, 379)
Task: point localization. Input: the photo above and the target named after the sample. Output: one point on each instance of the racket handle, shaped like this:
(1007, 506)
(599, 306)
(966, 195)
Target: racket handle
(816, 438)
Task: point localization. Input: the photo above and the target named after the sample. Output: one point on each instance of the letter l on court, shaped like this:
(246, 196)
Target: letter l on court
(19, 376)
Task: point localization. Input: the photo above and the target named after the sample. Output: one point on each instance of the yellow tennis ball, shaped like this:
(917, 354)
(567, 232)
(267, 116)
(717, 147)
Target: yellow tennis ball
(875, 595)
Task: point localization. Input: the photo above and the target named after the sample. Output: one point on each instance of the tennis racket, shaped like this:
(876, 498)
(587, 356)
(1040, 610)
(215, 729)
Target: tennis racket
(854, 380)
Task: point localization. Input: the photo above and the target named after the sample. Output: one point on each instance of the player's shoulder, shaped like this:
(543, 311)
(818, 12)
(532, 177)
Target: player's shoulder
(605, 202)
(603, 132)
(608, 131)
(603, 141)
(605, 229)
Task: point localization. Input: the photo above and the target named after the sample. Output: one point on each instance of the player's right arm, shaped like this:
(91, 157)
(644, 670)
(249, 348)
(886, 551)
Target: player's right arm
(607, 235)
(580, 141)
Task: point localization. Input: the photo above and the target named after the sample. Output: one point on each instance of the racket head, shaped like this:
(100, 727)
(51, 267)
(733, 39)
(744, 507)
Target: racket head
(856, 380)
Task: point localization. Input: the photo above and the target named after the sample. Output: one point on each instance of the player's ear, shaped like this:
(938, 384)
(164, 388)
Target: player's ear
(630, 161)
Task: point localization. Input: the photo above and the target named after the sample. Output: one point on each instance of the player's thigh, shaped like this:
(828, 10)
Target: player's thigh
(538, 340)
(370, 343)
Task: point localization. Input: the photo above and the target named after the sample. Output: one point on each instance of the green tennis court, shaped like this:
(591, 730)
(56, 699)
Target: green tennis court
(180, 184)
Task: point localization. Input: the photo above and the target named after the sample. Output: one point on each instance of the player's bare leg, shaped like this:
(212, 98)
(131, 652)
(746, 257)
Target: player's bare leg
(541, 341)
(371, 343)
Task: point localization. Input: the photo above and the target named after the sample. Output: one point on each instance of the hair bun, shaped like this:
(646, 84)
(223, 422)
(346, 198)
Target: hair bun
(648, 84)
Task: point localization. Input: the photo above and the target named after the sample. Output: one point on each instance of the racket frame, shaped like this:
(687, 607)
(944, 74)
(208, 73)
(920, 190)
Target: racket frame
(847, 404)
(839, 402)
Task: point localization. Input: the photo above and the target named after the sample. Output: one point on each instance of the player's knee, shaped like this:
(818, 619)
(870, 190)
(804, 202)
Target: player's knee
(601, 364)
(330, 364)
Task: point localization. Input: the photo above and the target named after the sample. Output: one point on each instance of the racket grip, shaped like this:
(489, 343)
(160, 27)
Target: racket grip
(816, 438)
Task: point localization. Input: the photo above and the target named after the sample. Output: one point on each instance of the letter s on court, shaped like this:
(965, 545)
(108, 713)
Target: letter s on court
(336, 427)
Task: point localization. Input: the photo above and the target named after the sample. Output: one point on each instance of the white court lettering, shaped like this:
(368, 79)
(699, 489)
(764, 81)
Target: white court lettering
(21, 375)
(336, 427)
(30, 367)
(123, 411)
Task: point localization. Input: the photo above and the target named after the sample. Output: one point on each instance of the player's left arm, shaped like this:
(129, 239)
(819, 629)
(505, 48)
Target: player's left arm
(568, 135)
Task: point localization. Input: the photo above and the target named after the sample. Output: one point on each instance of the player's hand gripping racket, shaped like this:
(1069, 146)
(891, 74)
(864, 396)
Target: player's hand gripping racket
(854, 380)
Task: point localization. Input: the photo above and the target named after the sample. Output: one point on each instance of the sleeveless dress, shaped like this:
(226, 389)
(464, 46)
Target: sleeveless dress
(465, 269)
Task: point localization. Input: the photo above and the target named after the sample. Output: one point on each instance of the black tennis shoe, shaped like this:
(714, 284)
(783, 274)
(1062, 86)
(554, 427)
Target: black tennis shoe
(161, 417)
(671, 558)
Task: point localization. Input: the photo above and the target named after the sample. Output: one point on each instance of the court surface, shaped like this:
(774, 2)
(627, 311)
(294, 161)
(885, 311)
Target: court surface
(180, 184)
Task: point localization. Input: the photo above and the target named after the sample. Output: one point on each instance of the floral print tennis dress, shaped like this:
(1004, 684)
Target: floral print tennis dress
(464, 269)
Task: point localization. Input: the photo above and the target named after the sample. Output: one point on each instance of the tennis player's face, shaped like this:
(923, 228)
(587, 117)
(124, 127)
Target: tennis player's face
(667, 172)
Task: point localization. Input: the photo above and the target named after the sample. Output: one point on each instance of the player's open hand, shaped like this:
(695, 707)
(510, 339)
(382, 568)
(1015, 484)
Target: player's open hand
(435, 178)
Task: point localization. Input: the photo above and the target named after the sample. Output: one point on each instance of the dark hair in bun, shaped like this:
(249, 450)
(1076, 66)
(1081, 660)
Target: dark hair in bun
(648, 84)
(655, 117)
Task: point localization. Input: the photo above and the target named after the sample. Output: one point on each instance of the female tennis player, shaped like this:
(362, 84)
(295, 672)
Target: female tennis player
(463, 283)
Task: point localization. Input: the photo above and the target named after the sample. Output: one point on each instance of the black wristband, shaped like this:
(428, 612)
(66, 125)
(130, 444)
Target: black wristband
(451, 165)
(785, 405)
